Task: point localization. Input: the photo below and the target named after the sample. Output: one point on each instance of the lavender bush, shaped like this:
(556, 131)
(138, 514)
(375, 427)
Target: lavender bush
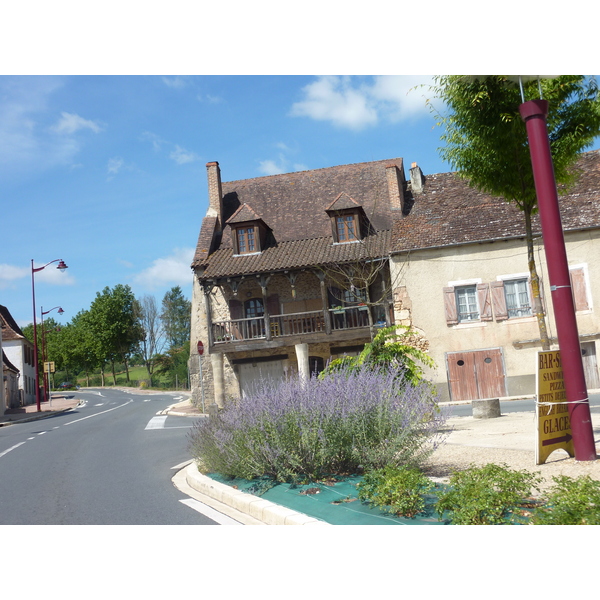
(298, 429)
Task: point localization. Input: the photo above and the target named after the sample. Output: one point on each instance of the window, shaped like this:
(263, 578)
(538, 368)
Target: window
(246, 241)
(254, 308)
(516, 293)
(466, 303)
(346, 228)
(578, 276)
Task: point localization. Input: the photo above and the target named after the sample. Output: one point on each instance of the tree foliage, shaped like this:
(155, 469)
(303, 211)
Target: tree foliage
(486, 139)
(176, 317)
(392, 347)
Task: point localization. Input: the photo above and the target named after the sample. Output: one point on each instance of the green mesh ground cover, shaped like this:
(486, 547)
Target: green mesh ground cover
(335, 503)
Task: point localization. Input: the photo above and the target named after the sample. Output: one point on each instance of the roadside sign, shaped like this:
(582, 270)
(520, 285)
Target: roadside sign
(200, 348)
(49, 367)
(552, 413)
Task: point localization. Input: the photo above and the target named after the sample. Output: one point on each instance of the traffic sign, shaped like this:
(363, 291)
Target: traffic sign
(200, 348)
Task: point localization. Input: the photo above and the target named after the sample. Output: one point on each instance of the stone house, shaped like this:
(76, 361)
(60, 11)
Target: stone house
(292, 270)
(459, 259)
(19, 351)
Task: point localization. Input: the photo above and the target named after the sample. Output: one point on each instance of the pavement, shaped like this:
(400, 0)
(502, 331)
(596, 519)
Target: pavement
(511, 437)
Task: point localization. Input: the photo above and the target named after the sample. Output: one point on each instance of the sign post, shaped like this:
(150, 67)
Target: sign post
(200, 347)
(552, 411)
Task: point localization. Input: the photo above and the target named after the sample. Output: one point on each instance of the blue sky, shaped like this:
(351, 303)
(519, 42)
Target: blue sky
(108, 173)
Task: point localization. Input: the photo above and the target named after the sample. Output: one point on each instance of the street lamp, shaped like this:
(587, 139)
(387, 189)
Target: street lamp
(60, 312)
(61, 267)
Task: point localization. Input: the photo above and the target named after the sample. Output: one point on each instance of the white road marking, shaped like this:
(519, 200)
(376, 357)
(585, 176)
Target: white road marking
(101, 404)
(42, 432)
(209, 512)
(147, 400)
(183, 464)
(12, 448)
(31, 438)
(156, 423)
(97, 414)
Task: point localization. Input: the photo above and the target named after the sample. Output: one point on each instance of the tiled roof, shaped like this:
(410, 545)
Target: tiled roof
(295, 254)
(7, 364)
(293, 206)
(10, 329)
(449, 212)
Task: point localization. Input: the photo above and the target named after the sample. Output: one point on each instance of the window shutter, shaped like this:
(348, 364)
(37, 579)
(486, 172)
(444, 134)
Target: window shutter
(450, 306)
(579, 290)
(499, 300)
(485, 304)
(236, 310)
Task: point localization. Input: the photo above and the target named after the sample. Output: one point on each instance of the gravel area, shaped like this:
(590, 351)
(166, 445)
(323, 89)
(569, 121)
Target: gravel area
(509, 439)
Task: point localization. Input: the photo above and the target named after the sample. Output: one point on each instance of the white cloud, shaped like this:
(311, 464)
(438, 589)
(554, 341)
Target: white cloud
(281, 165)
(174, 82)
(356, 103)
(172, 270)
(9, 274)
(182, 156)
(157, 142)
(115, 165)
(71, 123)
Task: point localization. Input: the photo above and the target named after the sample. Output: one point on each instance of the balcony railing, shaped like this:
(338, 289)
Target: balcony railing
(291, 324)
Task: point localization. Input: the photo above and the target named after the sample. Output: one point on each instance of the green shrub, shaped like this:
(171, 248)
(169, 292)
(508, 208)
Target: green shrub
(399, 490)
(570, 502)
(488, 495)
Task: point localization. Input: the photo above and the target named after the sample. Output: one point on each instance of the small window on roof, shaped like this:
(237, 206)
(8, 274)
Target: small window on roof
(246, 240)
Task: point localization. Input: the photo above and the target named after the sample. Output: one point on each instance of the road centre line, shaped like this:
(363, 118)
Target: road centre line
(100, 413)
(12, 448)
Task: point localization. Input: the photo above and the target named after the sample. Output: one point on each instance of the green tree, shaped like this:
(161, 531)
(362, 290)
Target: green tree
(174, 365)
(395, 346)
(486, 141)
(115, 328)
(176, 317)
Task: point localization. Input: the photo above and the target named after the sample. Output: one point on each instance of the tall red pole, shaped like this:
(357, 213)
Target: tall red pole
(35, 347)
(534, 114)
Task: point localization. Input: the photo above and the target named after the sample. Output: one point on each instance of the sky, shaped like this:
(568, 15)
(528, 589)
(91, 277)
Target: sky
(108, 173)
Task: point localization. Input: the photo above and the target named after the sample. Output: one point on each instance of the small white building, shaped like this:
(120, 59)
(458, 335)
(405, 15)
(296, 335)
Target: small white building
(19, 352)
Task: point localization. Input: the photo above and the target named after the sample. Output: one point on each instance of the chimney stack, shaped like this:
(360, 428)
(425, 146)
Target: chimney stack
(395, 181)
(416, 179)
(215, 192)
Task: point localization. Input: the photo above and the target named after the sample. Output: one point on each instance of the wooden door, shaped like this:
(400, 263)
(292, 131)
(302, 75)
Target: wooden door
(590, 365)
(476, 374)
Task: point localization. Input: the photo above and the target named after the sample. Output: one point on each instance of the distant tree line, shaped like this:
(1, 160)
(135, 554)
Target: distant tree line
(121, 330)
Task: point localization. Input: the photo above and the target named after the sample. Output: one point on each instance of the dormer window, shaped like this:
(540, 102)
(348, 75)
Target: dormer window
(249, 231)
(246, 240)
(346, 217)
(347, 227)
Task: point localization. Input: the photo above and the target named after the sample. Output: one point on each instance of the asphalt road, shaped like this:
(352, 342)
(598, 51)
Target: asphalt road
(108, 462)
(508, 406)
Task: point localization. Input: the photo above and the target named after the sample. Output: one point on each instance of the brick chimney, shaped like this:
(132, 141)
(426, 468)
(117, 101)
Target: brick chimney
(395, 181)
(215, 192)
(416, 179)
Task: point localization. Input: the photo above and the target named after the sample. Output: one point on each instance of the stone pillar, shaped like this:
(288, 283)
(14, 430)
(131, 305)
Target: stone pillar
(302, 357)
(218, 379)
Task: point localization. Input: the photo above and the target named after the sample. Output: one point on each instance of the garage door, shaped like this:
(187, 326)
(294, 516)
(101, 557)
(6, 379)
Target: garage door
(251, 374)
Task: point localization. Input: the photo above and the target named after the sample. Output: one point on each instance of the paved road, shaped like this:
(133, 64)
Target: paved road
(108, 462)
(528, 405)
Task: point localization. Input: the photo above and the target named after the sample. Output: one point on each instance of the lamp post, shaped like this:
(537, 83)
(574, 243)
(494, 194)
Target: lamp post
(60, 312)
(534, 114)
(61, 267)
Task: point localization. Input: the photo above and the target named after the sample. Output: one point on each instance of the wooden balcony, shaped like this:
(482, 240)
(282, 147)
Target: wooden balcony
(254, 333)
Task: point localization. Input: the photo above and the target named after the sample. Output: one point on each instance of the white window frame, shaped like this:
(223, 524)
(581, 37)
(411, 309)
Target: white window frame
(462, 284)
(517, 277)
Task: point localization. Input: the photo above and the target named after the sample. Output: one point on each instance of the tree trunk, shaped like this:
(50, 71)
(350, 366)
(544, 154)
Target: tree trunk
(538, 307)
(126, 369)
(102, 375)
(112, 365)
